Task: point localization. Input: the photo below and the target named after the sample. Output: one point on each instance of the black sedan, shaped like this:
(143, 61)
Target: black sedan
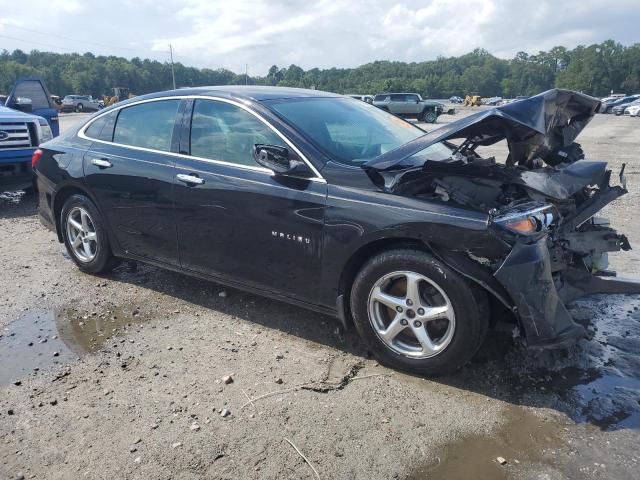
(334, 205)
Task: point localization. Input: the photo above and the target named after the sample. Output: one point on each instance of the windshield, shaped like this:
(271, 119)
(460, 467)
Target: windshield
(349, 131)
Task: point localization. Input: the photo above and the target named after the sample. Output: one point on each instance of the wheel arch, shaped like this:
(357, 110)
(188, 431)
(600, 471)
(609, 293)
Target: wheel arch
(59, 200)
(457, 262)
(358, 258)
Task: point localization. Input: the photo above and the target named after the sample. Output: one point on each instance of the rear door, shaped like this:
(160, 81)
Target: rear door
(41, 103)
(412, 105)
(130, 171)
(396, 104)
(236, 219)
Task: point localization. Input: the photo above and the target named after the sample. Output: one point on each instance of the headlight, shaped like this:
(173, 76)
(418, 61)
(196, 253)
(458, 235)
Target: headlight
(527, 220)
(44, 131)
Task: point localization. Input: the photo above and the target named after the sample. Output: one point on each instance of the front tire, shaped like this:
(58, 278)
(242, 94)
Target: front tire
(85, 236)
(429, 116)
(80, 108)
(416, 314)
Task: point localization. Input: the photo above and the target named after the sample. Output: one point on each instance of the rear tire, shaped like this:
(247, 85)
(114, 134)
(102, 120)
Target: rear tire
(85, 236)
(453, 312)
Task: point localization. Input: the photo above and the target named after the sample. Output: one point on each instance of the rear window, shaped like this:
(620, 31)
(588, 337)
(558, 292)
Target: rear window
(102, 128)
(147, 125)
(32, 89)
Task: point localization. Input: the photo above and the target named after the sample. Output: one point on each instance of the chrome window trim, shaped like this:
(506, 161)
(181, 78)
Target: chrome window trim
(318, 177)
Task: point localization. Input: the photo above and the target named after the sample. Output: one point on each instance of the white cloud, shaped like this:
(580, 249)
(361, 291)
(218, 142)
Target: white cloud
(323, 33)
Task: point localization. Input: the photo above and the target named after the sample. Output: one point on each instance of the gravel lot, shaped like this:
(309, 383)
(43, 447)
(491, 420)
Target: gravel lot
(123, 376)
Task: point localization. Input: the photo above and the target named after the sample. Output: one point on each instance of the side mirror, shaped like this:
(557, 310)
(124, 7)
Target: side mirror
(280, 160)
(22, 104)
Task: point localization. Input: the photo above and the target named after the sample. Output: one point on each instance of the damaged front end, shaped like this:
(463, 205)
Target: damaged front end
(541, 204)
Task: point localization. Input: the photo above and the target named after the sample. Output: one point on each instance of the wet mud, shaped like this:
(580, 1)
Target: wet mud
(39, 339)
(522, 441)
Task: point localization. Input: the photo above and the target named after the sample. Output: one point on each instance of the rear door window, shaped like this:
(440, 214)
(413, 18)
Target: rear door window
(147, 125)
(102, 128)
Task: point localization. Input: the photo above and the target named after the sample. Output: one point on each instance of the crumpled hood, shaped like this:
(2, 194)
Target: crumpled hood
(536, 127)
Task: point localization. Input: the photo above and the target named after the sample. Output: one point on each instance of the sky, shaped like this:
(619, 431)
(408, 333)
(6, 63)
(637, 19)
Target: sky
(320, 33)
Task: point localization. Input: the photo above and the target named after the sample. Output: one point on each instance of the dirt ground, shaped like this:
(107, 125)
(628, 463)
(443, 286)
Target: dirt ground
(123, 376)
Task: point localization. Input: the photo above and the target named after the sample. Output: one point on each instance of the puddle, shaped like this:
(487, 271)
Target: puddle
(599, 380)
(524, 440)
(40, 339)
(11, 198)
(596, 381)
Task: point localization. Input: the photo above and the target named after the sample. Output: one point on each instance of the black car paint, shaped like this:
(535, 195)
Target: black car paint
(294, 239)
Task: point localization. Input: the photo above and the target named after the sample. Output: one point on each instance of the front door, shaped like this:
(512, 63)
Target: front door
(130, 170)
(238, 220)
(40, 103)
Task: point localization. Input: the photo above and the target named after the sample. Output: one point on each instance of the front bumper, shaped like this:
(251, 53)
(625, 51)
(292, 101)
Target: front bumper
(526, 275)
(15, 169)
(541, 284)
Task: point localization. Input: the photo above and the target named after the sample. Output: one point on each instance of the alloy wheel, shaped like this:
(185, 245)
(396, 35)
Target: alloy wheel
(81, 233)
(411, 314)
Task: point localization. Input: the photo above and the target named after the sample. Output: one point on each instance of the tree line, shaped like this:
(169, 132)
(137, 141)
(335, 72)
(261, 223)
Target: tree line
(595, 69)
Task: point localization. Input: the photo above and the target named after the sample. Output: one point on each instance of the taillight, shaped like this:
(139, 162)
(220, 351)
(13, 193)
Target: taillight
(35, 158)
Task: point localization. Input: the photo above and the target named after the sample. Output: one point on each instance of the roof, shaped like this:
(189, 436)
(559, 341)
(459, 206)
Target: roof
(250, 92)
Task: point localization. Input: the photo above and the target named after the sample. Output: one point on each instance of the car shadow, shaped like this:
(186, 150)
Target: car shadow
(17, 204)
(596, 381)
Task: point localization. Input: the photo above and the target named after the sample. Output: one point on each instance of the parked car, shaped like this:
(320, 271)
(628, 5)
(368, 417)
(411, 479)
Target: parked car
(28, 119)
(493, 101)
(364, 98)
(615, 96)
(409, 105)
(80, 103)
(340, 207)
(619, 109)
(608, 106)
(456, 99)
(633, 110)
(3, 98)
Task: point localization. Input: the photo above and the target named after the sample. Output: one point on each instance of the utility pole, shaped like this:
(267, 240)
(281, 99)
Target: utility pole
(246, 76)
(173, 75)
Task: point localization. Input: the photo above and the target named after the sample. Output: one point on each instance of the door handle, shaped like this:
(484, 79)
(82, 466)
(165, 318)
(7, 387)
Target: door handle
(192, 179)
(102, 163)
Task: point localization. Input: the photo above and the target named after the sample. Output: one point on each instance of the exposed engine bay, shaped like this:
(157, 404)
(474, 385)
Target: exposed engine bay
(541, 200)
